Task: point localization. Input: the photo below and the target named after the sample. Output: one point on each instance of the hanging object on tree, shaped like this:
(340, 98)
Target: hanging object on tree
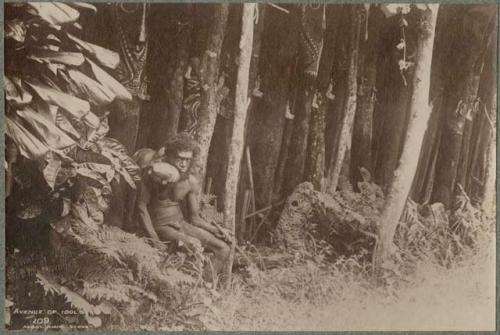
(133, 44)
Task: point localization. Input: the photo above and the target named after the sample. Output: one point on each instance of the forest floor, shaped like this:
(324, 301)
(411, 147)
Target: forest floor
(342, 297)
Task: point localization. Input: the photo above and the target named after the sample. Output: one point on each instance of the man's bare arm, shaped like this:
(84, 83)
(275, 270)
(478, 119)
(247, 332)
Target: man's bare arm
(143, 198)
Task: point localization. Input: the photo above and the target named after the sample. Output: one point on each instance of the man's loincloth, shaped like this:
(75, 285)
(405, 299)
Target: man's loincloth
(167, 213)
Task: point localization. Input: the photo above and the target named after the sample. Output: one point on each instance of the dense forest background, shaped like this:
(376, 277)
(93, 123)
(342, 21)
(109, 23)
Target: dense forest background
(356, 126)
(299, 85)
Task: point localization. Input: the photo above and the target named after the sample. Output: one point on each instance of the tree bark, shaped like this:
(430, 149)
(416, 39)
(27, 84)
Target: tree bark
(316, 152)
(171, 88)
(315, 167)
(311, 27)
(279, 178)
(424, 178)
(419, 115)
(345, 134)
(361, 151)
(396, 96)
(210, 101)
(489, 191)
(465, 61)
(268, 116)
(237, 139)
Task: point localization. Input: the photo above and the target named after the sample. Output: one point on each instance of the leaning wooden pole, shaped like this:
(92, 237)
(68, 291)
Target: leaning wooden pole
(419, 116)
(237, 139)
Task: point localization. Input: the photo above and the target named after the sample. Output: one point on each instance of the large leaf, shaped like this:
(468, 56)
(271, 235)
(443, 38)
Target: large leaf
(48, 132)
(63, 57)
(75, 106)
(51, 170)
(104, 56)
(15, 94)
(117, 149)
(29, 146)
(62, 122)
(55, 13)
(15, 29)
(90, 90)
(50, 285)
(111, 83)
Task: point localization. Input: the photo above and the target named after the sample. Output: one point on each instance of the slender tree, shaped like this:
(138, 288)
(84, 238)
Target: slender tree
(209, 104)
(345, 134)
(240, 114)
(363, 122)
(420, 111)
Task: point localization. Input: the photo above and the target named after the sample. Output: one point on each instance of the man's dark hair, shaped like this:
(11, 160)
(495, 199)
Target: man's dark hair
(180, 142)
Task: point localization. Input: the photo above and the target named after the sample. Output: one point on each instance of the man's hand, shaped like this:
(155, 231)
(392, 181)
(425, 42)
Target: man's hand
(224, 234)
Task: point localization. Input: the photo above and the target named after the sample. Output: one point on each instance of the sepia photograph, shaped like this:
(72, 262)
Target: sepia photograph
(238, 166)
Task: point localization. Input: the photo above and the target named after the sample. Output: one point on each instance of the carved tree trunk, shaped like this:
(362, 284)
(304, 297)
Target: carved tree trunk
(465, 61)
(268, 116)
(315, 162)
(210, 100)
(311, 28)
(345, 134)
(361, 151)
(240, 115)
(419, 115)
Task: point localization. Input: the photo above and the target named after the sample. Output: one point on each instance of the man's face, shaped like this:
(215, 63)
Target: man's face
(182, 161)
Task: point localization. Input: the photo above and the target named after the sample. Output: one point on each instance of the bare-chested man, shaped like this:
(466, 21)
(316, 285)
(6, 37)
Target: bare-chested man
(159, 201)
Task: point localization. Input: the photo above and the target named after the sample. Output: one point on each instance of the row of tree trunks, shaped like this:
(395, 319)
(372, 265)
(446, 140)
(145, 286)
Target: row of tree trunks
(464, 69)
(268, 117)
(419, 115)
(344, 136)
(361, 151)
(210, 101)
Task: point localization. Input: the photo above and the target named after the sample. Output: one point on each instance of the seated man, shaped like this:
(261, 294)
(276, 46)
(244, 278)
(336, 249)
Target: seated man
(159, 198)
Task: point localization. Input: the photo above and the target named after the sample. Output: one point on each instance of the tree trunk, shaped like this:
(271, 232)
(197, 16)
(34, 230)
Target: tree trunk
(316, 152)
(240, 114)
(210, 99)
(345, 134)
(396, 96)
(419, 115)
(361, 151)
(488, 90)
(424, 178)
(315, 167)
(268, 116)
(465, 62)
(489, 191)
(311, 23)
(171, 82)
(279, 178)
